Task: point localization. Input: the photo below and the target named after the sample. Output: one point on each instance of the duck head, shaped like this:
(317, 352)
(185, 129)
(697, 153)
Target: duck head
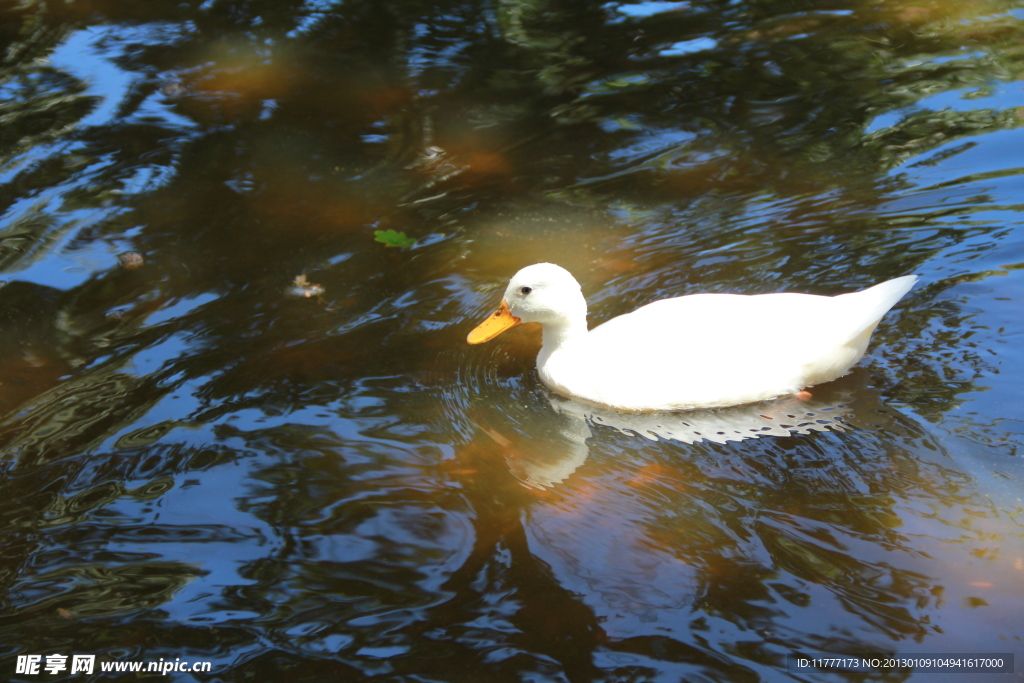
(542, 293)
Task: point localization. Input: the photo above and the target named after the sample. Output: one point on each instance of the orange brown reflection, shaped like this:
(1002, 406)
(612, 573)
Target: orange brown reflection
(707, 536)
(753, 533)
(946, 18)
(227, 80)
(585, 242)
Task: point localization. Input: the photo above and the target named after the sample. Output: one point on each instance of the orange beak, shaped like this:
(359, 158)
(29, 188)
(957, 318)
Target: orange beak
(496, 323)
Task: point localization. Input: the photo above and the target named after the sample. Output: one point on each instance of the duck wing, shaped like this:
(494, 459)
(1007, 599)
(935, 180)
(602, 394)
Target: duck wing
(724, 349)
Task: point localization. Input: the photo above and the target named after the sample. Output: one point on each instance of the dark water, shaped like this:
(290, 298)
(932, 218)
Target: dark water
(207, 459)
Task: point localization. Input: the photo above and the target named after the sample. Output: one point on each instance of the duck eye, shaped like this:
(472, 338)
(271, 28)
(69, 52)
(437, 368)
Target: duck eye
(525, 290)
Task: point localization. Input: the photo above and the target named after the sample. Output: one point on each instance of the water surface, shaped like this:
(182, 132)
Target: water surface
(264, 443)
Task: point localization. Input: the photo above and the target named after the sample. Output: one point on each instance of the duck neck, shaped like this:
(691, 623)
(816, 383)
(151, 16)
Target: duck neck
(557, 334)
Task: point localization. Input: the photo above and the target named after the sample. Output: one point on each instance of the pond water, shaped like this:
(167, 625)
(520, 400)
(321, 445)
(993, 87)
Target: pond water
(242, 244)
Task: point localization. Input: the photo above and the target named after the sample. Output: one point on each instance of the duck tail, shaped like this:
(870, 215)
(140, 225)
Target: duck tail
(874, 302)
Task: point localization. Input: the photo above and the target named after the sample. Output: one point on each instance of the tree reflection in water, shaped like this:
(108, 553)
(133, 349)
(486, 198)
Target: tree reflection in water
(199, 464)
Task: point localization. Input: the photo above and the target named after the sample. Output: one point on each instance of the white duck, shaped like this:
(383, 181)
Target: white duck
(697, 351)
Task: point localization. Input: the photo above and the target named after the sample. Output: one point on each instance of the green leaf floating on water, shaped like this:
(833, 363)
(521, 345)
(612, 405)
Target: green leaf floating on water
(393, 238)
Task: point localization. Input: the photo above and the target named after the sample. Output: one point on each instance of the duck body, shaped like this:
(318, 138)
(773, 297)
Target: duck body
(689, 352)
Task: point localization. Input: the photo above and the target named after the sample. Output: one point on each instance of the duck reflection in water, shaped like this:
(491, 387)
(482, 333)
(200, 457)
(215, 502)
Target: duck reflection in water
(558, 446)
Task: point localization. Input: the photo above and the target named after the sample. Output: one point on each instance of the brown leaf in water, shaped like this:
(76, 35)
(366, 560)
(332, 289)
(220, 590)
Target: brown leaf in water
(301, 286)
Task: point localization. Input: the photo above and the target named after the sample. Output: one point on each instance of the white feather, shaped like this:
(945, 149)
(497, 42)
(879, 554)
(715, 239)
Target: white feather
(698, 351)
